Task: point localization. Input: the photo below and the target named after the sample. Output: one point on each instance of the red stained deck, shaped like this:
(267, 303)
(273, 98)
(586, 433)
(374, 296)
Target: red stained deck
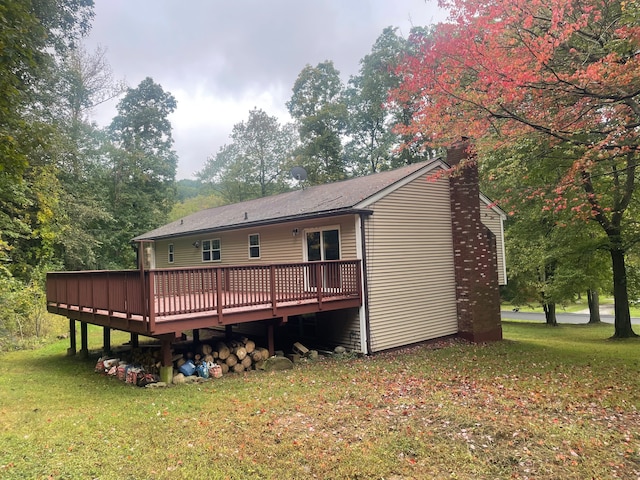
(170, 301)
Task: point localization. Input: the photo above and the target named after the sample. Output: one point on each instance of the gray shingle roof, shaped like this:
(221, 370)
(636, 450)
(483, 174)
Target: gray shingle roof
(328, 199)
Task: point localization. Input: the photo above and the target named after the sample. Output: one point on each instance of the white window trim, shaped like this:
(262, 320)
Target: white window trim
(202, 250)
(171, 253)
(254, 246)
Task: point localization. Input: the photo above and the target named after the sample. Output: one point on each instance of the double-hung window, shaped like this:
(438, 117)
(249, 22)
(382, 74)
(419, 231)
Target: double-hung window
(254, 245)
(211, 250)
(170, 253)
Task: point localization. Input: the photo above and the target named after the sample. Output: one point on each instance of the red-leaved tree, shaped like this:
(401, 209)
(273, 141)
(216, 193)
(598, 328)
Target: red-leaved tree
(565, 72)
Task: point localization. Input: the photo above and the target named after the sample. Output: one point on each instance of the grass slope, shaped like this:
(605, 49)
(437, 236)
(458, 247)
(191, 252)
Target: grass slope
(546, 403)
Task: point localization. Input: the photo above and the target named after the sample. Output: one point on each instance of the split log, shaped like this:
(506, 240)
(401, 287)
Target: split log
(206, 349)
(264, 353)
(231, 360)
(240, 352)
(223, 350)
(238, 368)
(246, 362)
(256, 356)
(250, 346)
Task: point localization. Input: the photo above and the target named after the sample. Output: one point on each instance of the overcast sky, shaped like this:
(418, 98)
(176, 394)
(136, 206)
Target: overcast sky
(220, 59)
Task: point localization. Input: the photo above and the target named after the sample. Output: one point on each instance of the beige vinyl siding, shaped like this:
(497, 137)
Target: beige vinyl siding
(338, 327)
(278, 244)
(410, 265)
(493, 221)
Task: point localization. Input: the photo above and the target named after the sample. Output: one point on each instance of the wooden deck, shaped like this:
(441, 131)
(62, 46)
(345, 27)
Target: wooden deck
(169, 301)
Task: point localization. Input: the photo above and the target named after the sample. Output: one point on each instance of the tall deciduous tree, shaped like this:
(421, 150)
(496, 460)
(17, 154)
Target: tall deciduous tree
(256, 162)
(370, 122)
(565, 72)
(143, 165)
(553, 256)
(86, 221)
(32, 36)
(317, 105)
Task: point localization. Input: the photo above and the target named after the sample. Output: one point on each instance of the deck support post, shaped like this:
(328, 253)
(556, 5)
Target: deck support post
(271, 344)
(106, 340)
(135, 341)
(84, 342)
(166, 370)
(228, 332)
(71, 351)
(196, 337)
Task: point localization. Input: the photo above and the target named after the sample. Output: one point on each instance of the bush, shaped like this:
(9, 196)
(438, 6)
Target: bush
(24, 320)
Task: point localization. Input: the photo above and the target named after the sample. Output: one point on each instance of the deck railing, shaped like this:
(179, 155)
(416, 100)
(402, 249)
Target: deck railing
(157, 293)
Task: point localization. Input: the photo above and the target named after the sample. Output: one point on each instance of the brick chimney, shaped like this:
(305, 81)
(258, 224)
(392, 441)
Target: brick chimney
(475, 252)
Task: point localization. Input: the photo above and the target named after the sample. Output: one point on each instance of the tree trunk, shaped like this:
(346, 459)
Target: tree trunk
(593, 299)
(620, 295)
(550, 313)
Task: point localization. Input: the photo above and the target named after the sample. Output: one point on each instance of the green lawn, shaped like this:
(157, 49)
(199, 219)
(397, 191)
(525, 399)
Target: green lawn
(546, 403)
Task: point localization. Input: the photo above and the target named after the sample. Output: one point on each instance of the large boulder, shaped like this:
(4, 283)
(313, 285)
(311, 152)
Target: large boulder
(277, 363)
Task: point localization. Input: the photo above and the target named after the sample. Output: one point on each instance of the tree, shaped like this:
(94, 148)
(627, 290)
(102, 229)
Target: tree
(257, 161)
(370, 122)
(553, 256)
(317, 105)
(565, 73)
(84, 81)
(87, 81)
(143, 166)
(32, 35)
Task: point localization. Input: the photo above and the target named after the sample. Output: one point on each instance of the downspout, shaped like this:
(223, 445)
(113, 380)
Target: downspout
(365, 286)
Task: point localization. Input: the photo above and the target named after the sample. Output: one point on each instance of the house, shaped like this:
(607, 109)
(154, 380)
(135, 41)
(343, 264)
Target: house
(371, 263)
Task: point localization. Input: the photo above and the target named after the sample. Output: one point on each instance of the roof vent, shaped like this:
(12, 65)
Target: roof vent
(246, 216)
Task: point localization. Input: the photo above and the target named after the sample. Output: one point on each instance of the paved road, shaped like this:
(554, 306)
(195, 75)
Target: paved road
(561, 317)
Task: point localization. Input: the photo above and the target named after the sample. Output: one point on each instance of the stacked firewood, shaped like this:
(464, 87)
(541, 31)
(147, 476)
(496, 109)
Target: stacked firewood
(236, 355)
(231, 356)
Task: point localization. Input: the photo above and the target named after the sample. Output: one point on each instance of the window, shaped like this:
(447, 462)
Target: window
(211, 250)
(170, 253)
(323, 245)
(254, 245)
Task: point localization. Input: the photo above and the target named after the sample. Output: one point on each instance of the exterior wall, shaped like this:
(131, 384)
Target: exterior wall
(278, 244)
(493, 222)
(410, 265)
(339, 327)
(326, 330)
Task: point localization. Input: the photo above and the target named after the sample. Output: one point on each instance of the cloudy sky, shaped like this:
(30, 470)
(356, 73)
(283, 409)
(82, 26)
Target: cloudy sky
(220, 59)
